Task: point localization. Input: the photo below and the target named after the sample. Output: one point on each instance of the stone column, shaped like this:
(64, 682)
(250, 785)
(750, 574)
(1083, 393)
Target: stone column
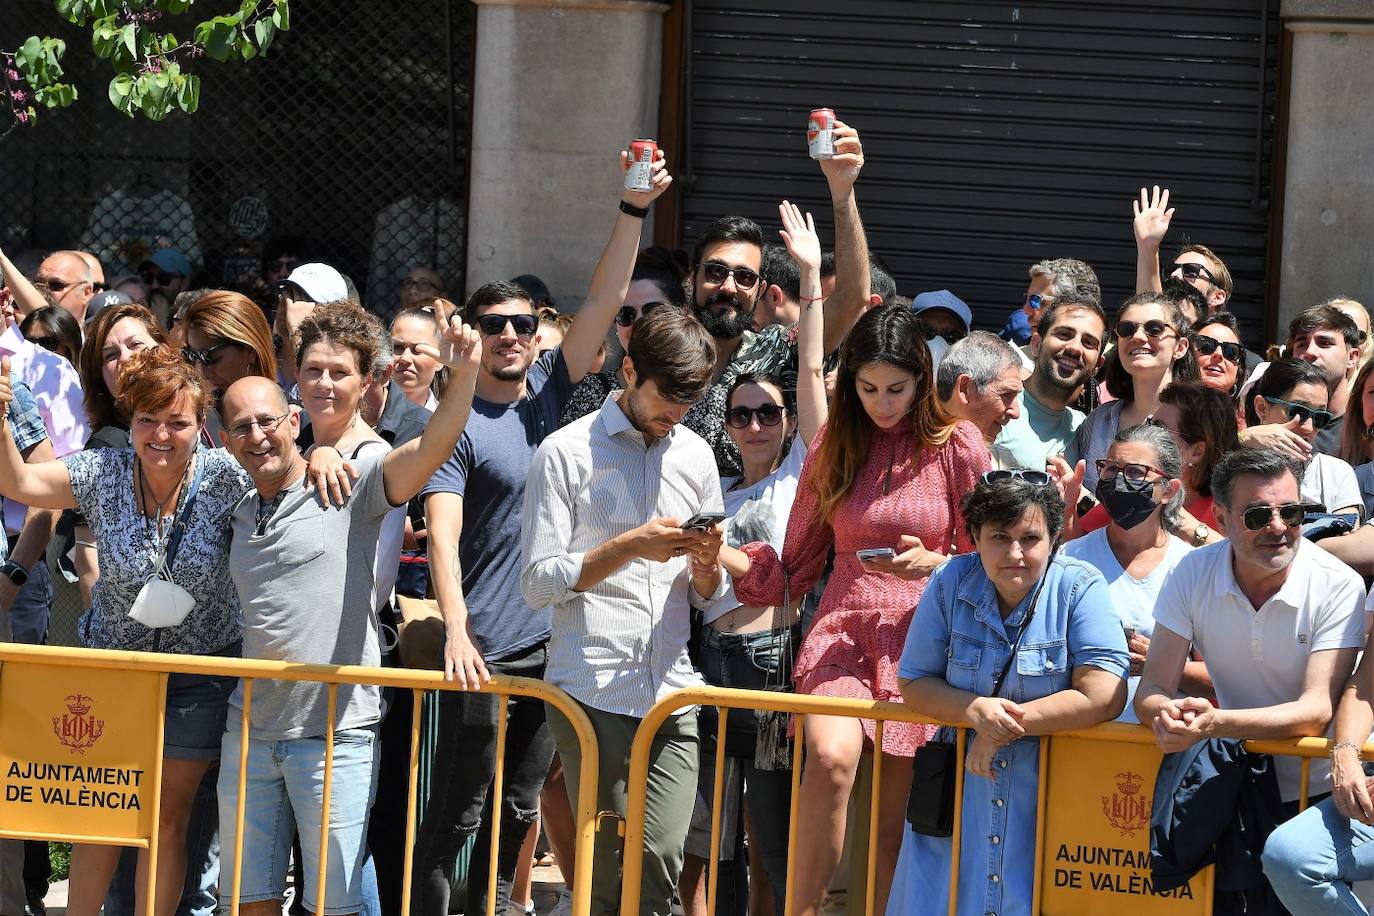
(1328, 196)
(560, 85)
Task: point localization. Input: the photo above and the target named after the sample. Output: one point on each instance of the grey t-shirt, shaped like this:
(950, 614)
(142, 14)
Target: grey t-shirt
(306, 587)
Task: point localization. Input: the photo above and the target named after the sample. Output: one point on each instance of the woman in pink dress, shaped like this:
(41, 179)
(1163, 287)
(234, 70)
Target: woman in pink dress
(887, 471)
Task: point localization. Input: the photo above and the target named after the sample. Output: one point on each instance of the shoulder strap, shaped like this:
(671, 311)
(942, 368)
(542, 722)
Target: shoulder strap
(1025, 624)
(179, 526)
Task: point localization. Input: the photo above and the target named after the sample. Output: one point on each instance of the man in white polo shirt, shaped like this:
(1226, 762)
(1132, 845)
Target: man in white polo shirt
(1278, 620)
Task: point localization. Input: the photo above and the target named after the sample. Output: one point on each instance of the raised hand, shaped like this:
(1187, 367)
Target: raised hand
(660, 179)
(1152, 216)
(842, 170)
(799, 235)
(460, 346)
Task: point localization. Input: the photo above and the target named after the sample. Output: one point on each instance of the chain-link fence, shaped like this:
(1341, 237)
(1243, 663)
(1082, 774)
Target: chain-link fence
(347, 143)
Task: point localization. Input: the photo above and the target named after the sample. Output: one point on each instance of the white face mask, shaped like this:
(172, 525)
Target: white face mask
(938, 348)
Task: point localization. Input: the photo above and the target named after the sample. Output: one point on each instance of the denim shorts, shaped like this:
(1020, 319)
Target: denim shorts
(197, 708)
(285, 793)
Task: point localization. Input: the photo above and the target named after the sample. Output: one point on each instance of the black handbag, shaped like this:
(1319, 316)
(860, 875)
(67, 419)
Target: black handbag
(935, 766)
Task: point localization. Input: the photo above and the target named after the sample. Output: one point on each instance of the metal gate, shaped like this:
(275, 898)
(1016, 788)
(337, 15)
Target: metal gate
(349, 141)
(998, 133)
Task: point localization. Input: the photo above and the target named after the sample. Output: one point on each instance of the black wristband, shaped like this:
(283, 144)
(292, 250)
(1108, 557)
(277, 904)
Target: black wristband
(631, 210)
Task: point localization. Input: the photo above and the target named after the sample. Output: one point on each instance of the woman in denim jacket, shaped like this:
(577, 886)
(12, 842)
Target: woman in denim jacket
(1068, 674)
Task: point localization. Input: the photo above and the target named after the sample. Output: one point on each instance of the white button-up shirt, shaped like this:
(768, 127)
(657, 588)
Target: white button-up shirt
(621, 645)
(1258, 658)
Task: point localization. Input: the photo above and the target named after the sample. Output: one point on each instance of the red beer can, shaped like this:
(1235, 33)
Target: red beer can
(820, 137)
(639, 176)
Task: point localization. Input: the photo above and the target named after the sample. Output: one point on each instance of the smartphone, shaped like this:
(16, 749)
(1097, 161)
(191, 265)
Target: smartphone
(876, 553)
(703, 521)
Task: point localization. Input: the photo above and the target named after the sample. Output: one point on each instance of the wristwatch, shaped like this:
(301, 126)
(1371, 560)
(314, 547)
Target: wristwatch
(1200, 534)
(15, 573)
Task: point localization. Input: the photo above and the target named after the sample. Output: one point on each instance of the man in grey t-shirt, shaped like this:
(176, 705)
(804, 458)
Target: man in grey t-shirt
(305, 578)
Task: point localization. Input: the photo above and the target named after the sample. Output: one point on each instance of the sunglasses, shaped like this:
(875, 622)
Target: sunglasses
(950, 336)
(1193, 271)
(1036, 300)
(1133, 471)
(524, 325)
(419, 283)
(1257, 517)
(1209, 345)
(716, 274)
(1154, 328)
(159, 278)
(741, 417)
(1034, 478)
(1321, 419)
(47, 343)
(203, 357)
(55, 285)
(628, 314)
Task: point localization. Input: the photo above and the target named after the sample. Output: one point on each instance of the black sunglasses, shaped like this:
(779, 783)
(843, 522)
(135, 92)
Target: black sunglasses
(203, 357)
(47, 342)
(741, 417)
(716, 274)
(1192, 271)
(524, 325)
(1256, 517)
(1320, 418)
(628, 313)
(1034, 478)
(950, 336)
(1209, 345)
(159, 278)
(1154, 328)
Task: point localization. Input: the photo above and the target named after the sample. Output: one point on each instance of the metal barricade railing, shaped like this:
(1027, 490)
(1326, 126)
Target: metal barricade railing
(1107, 739)
(62, 670)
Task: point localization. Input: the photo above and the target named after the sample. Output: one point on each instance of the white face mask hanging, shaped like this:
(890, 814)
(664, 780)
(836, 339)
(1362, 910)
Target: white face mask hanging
(938, 348)
(161, 602)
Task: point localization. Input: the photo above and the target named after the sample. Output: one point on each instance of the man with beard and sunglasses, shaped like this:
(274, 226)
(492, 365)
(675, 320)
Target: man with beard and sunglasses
(727, 287)
(473, 510)
(1067, 347)
(1278, 620)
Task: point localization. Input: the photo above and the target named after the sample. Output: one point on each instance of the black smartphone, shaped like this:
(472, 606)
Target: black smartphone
(703, 521)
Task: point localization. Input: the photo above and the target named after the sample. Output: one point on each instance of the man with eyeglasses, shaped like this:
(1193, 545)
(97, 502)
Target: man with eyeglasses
(979, 380)
(944, 318)
(727, 287)
(70, 280)
(420, 285)
(1194, 264)
(165, 274)
(473, 507)
(1278, 620)
(1050, 280)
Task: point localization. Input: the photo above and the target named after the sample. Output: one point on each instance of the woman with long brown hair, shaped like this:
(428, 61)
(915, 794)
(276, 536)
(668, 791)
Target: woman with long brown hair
(228, 337)
(886, 474)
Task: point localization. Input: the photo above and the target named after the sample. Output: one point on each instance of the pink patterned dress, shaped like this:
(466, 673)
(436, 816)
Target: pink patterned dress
(855, 642)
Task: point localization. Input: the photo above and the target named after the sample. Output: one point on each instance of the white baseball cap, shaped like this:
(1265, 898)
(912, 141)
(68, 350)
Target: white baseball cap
(320, 282)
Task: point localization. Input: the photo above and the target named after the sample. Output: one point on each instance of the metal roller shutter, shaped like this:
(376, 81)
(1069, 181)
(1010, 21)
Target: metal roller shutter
(997, 134)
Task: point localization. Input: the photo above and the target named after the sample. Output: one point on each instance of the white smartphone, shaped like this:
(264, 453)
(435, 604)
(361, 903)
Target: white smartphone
(876, 553)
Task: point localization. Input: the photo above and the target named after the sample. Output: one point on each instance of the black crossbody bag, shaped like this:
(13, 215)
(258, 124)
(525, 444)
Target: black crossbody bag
(934, 768)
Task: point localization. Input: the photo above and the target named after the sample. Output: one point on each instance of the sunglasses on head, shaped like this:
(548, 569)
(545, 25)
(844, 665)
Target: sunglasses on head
(1209, 345)
(1154, 328)
(741, 417)
(950, 336)
(203, 357)
(1320, 418)
(1034, 478)
(628, 313)
(1133, 471)
(1192, 271)
(524, 325)
(1257, 517)
(717, 273)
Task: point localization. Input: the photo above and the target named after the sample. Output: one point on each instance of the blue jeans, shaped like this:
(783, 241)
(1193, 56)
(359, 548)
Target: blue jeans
(285, 786)
(1311, 860)
(748, 661)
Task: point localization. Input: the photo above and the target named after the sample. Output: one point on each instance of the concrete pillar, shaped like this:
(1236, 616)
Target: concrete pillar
(560, 85)
(1328, 198)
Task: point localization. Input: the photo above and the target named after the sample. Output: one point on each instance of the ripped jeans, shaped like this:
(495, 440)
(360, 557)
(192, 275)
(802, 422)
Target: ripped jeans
(459, 802)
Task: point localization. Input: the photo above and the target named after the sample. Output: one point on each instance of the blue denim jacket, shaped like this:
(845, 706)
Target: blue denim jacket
(958, 634)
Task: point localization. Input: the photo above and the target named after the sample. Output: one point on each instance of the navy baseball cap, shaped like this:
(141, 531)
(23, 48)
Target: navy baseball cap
(944, 299)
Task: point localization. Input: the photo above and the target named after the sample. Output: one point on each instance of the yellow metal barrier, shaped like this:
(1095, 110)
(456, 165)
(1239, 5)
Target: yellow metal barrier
(1095, 787)
(81, 717)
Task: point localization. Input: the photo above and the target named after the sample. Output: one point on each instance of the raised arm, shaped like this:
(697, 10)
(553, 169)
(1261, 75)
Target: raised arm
(26, 297)
(408, 468)
(1151, 224)
(799, 234)
(611, 278)
(46, 485)
(462, 656)
(852, 286)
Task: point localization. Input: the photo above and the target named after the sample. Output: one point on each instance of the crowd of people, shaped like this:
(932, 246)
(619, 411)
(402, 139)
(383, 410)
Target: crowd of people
(776, 474)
